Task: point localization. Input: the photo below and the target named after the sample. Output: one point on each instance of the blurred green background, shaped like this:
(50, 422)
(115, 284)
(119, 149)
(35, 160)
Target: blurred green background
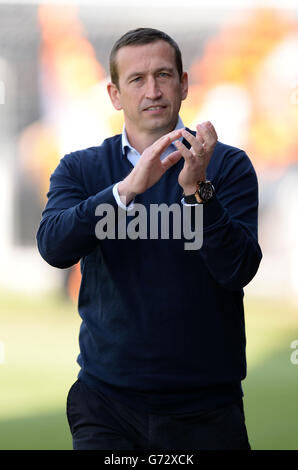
(41, 346)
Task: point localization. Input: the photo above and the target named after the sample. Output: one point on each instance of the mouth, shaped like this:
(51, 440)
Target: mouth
(155, 109)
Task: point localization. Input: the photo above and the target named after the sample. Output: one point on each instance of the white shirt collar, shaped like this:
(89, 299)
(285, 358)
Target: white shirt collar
(125, 142)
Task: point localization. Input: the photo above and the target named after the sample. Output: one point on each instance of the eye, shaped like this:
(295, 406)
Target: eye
(164, 74)
(136, 79)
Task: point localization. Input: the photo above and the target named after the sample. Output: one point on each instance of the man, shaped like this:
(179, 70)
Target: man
(162, 340)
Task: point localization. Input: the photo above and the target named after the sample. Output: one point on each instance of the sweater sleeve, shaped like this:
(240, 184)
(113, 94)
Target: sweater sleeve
(67, 229)
(230, 248)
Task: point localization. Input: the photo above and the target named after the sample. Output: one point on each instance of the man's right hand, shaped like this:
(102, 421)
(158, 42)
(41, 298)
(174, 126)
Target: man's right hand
(149, 168)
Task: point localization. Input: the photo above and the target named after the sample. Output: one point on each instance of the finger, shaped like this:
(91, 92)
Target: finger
(204, 134)
(186, 153)
(171, 159)
(195, 142)
(163, 142)
(212, 129)
(207, 132)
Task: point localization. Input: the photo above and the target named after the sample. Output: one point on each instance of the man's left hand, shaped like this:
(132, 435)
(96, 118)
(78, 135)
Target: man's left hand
(197, 157)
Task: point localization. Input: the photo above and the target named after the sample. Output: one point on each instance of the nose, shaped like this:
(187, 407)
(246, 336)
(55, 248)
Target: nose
(153, 91)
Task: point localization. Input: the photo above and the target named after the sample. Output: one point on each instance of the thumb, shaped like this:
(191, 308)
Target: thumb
(171, 159)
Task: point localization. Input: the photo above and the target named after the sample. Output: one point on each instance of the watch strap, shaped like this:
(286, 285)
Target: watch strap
(199, 197)
(193, 198)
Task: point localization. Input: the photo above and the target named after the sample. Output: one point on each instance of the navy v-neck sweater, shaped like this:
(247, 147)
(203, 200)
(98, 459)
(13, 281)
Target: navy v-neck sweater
(162, 327)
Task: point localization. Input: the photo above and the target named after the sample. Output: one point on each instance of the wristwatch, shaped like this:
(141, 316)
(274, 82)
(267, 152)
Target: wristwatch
(205, 191)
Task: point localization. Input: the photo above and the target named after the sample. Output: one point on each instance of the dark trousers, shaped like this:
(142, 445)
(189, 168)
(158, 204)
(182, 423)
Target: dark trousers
(98, 422)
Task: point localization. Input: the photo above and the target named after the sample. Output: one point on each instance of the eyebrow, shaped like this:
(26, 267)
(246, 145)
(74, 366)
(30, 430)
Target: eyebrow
(160, 69)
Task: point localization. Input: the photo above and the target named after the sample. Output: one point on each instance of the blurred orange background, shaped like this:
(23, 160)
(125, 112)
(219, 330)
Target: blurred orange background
(244, 79)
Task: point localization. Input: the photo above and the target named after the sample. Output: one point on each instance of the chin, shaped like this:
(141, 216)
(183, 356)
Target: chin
(161, 125)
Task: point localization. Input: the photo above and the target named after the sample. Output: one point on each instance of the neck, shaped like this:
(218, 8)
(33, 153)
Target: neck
(140, 141)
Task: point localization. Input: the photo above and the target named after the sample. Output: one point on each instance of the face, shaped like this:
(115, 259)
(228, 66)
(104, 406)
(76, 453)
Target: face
(150, 89)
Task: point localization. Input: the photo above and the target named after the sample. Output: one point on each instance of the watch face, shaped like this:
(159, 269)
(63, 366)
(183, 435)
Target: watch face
(206, 191)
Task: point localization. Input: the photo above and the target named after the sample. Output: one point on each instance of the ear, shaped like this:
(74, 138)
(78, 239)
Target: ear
(114, 94)
(184, 85)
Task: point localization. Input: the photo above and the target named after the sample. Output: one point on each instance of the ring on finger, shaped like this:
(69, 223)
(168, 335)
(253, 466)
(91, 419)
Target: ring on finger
(201, 154)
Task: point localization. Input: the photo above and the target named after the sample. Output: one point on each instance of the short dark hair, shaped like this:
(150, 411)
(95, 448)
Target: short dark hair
(138, 37)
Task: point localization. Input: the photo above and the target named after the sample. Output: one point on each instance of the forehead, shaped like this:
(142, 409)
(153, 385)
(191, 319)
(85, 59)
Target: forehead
(144, 58)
